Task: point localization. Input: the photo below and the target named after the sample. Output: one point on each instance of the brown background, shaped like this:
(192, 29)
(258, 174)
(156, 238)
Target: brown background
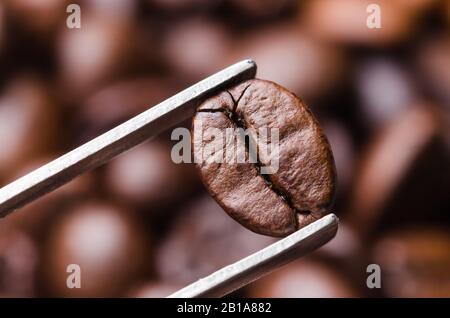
(143, 226)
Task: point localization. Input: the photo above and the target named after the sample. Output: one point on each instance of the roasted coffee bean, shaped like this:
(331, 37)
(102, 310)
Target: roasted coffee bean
(447, 11)
(341, 142)
(415, 262)
(2, 21)
(27, 15)
(33, 217)
(111, 9)
(308, 278)
(147, 177)
(183, 6)
(346, 244)
(156, 289)
(107, 243)
(259, 10)
(119, 101)
(403, 173)
(18, 262)
(202, 240)
(197, 48)
(346, 21)
(294, 59)
(28, 122)
(386, 89)
(434, 66)
(299, 192)
(103, 50)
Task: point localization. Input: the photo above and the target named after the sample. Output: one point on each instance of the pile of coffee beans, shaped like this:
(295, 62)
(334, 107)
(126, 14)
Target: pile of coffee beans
(363, 116)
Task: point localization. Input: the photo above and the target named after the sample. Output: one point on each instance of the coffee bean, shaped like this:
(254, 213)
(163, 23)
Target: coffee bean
(346, 21)
(2, 27)
(415, 262)
(202, 240)
(179, 7)
(101, 51)
(346, 244)
(18, 262)
(185, 46)
(259, 10)
(107, 243)
(147, 177)
(447, 12)
(292, 58)
(403, 173)
(341, 142)
(299, 192)
(26, 107)
(154, 289)
(119, 101)
(434, 65)
(26, 15)
(386, 89)
(112, 9)
(32, 218)
(308, 278)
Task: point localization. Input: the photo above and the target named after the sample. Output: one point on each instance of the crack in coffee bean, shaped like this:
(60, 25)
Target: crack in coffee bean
(239, 122)
(276, 204)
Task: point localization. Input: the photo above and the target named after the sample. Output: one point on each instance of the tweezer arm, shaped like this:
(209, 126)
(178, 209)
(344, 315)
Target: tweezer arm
(114, 142)
(247, 270)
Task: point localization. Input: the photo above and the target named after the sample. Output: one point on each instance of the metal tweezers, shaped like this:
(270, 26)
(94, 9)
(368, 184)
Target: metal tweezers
(143, 127)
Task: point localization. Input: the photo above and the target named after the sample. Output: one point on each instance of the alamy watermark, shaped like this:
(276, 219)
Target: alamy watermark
(230, 146)
(73, 20)
(374, 18)
(74, 278)
(374, 278)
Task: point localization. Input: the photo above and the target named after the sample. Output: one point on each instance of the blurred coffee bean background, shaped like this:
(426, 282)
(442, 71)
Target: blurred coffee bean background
(142, 226)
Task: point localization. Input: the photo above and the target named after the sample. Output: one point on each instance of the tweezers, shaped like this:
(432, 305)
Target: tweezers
(144, 127)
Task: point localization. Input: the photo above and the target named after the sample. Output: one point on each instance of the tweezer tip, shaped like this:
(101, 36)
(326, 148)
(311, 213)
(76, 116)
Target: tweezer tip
(334, 217)
(249, 65)
(250, 61)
